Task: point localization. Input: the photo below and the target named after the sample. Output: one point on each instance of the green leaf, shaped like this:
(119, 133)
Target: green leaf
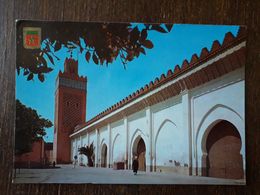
(95, 58)
(148, 44)
(80, 49)
(57, 46)
(88, 55)
(147, 26)
(41, 77)
(25, 72)
(129, 57)
(48, 69)
(143, 34)
(30, 77)
(158, 28)
(50, 58)
(44, 69)
(141, 49)
(101, 61)
(71, 45)
(134, 35)
(18, 70)
(44, 63)
(169, 27)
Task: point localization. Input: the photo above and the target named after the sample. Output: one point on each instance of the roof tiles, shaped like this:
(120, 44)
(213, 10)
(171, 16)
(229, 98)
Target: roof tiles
(216, 48)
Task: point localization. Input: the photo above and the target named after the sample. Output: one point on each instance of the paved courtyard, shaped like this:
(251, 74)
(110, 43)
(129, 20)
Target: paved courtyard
(68, 174)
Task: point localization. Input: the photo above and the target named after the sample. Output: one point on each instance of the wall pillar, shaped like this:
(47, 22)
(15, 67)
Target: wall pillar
(87, 142)
(127, 142)
(193, 142)
(72, 149)
(76, 148)
(187, 129)
(109, 146)
(150, 149)
(80, 145)
(87, 138)
(129, 152)
(203, 170)
(96, 149)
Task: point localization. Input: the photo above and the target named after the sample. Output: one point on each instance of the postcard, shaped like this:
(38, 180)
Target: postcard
(130, 103)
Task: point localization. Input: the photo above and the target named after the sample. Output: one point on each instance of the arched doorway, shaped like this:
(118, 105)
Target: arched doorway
(104, 156)
(223, 145)
(139, 150)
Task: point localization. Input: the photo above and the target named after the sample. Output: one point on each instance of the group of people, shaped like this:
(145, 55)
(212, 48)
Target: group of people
(135, 164)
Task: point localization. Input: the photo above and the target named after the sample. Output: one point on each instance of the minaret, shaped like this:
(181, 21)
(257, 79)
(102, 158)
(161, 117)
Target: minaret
(70, 109)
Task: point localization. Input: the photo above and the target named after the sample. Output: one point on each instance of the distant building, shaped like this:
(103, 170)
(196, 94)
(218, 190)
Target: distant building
(48, 152)
(190, 121)
(39, 156)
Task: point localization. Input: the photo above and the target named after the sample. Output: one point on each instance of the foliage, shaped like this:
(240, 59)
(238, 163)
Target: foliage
(30, 127)
(102, 43)
(89, 152)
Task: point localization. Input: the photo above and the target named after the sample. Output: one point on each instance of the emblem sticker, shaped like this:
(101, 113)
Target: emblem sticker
(31, 37)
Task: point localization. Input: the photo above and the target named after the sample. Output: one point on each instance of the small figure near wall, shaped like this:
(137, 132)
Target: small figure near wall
(135, 165)
(75, 161)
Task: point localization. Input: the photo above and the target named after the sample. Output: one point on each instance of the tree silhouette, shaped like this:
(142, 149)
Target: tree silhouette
(102, 43)
(30, 127)
(88, 151)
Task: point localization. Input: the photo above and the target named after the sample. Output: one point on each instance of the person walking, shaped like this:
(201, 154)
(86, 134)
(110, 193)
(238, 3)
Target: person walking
(135, 165)
(75, 161)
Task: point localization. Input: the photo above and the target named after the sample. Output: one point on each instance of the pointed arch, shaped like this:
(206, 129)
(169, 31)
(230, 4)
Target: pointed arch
(102, 142)
(223, 145)
(113, 145)
(170, 128)
(138, 145)
(217, 106)
(160, 127)
(103, 153)
(137, 133)
(214, 115)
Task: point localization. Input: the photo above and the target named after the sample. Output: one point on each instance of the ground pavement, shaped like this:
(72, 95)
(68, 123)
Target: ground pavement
(68, 174)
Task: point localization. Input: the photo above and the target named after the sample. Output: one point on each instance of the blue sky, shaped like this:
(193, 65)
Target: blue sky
(108, 85)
